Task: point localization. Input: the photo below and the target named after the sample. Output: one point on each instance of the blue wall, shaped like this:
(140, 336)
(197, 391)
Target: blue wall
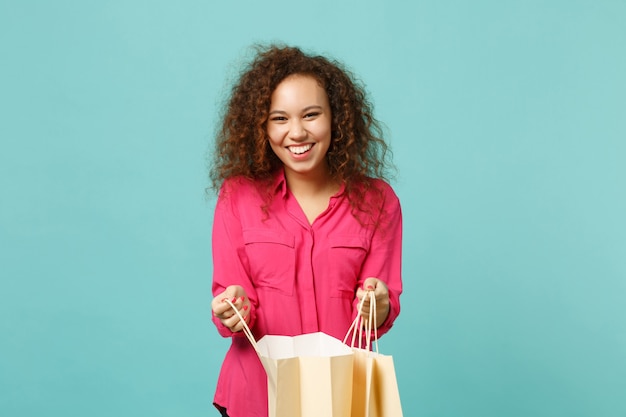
(507, 119)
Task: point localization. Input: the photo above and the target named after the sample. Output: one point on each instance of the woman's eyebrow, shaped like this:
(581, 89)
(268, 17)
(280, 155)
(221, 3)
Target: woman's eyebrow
(307, 108)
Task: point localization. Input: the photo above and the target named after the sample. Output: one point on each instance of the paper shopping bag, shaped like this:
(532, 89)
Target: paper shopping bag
(375, 389)
(308, 375)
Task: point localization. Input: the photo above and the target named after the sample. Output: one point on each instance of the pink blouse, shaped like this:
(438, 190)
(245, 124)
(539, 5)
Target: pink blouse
(300, 277)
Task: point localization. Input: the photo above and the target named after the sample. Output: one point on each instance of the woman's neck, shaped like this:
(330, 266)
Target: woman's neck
(313, 192)
(311, 185)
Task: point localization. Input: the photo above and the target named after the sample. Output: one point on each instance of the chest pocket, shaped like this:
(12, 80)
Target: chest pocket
(272, 258)
(347, 255)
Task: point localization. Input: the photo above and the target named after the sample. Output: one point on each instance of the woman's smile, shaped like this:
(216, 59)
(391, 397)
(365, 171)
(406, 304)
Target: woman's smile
(300, 149)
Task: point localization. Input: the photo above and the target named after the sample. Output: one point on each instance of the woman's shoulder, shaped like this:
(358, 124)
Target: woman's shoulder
(380, 184)
(382, 188)
(238, 183)
(239, 189)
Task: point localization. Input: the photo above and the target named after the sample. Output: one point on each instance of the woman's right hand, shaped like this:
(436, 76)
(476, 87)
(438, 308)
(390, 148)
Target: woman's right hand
(224, 312)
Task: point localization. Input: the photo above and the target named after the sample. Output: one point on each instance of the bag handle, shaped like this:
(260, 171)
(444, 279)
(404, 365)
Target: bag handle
(358, 324)
(246, 330)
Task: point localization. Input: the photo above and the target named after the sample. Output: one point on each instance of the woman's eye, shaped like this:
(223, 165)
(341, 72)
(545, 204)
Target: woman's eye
(310, 115)
(278, 119)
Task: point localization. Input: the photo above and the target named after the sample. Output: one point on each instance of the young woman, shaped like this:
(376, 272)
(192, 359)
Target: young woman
(305, 223)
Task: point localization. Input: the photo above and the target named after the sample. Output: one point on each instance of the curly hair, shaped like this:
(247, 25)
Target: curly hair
(358, 152)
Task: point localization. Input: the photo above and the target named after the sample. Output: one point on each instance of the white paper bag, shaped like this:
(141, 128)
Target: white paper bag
(375, 388)
(308, 375)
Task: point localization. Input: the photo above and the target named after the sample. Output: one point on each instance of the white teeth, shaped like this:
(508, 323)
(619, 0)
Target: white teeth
(300, 149)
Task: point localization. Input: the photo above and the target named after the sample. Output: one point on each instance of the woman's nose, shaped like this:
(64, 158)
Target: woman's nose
(297, 130)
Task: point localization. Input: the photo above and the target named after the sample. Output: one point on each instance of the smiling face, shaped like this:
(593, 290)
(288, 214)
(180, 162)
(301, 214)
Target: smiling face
(299, 126)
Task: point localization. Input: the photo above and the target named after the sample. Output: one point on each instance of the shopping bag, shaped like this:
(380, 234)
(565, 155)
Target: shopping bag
(308, 375)
(375, 389)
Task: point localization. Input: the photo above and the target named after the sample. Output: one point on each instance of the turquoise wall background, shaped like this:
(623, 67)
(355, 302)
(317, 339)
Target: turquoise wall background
(508, 123)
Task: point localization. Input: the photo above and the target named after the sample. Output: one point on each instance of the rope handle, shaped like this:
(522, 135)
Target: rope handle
(246, 330)
(358, 324)
(356, 327)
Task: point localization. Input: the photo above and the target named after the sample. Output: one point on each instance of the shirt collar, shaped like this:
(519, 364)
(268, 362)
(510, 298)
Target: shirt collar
(280, 183)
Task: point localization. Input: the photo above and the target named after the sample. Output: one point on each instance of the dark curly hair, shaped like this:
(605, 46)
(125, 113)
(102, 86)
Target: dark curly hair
(357, 153)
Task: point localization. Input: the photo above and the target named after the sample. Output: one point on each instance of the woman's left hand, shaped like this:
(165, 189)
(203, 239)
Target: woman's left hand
(382, 299)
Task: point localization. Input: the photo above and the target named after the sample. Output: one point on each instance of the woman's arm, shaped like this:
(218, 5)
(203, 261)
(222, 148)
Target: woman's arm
(382, 268)
(231, 278)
